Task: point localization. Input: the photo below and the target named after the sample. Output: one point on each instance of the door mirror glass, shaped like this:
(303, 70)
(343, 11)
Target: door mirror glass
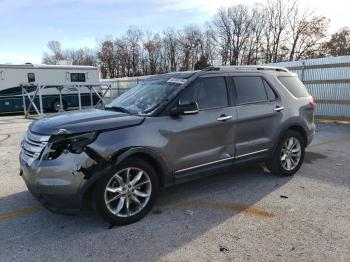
(185, 109)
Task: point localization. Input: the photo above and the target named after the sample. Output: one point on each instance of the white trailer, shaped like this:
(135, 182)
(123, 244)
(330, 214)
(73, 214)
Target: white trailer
(54, 79)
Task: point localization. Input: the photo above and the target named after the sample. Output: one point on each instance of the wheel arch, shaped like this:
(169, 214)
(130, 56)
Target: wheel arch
(297, 127)
(148, 155)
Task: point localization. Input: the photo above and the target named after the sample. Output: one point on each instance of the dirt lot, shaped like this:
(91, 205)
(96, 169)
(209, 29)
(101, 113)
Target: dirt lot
(244, 215)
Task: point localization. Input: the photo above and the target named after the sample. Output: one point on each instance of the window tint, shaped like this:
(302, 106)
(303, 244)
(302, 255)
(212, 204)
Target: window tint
(294, 85)
(250, 89)
(212, 93)
(207, 92)
(270, 93)
(190, 93)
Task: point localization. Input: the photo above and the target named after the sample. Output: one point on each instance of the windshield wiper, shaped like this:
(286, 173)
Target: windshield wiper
(118, 108)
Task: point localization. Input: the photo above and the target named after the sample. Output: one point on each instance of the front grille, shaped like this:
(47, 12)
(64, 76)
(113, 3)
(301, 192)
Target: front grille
(33, 144)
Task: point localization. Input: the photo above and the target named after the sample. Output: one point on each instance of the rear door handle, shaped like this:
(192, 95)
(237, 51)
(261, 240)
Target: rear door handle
(278, 108)
(223, 118)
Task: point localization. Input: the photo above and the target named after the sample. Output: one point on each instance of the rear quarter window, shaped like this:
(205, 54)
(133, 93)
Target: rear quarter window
(294, 85)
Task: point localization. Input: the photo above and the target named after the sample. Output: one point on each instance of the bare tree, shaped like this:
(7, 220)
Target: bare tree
(252, 50)
(307, 32)
(339, 44)
(234, 30)
(81, 56)
(241, 23)
(222, 35)
(133, 39)
(55, 55)
(209, 49)
(123, 62)
(153, 48)
(108, 63)
(189, 41)
(275, 31)
(171, 46)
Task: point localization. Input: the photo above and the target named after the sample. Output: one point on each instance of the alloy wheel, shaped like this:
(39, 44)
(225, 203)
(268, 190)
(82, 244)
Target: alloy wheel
(290, 153)
(128, 192)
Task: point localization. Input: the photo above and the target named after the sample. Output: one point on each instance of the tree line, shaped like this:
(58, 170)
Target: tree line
(238, 35)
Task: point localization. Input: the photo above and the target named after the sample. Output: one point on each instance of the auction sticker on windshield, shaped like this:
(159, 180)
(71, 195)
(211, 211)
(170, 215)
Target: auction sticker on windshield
(177, 80)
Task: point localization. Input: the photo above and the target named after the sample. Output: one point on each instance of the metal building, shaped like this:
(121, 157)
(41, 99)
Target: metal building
(328, 81)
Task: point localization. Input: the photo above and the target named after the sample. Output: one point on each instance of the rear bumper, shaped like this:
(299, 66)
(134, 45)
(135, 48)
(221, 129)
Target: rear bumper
(56, 184)
(310, 138)
(311, 133)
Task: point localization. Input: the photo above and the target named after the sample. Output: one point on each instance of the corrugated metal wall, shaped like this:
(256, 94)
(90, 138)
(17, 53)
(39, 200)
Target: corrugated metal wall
(328, 81)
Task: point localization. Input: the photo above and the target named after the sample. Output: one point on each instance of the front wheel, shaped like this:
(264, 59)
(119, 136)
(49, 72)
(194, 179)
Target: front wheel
(128, 193)
(288, 156)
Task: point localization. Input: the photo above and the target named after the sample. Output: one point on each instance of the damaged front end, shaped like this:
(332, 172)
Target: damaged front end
(65, 143)
(57, 169)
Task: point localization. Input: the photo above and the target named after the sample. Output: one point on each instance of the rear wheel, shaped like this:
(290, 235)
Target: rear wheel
(128, 193)
(288, 156)
(56, 106)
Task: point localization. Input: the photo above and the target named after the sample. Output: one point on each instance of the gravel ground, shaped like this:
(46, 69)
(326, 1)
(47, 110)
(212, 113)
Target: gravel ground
(243, 215)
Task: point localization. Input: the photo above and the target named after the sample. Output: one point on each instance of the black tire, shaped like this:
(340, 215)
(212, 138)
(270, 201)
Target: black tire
(275, 163)
(98, 196)
(56, 103)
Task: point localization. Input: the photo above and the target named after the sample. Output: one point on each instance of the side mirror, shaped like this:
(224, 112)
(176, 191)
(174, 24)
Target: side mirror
(185, 109)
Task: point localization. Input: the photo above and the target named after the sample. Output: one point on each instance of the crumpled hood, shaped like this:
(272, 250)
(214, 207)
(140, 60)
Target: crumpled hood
(84, 121)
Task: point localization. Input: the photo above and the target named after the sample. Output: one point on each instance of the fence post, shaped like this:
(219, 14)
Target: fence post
(41, 101)
(24, 101)
(91, 100)
(61, 101)
(79, 97)
(118, 88)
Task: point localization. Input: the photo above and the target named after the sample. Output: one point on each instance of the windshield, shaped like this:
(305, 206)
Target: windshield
(146, 96)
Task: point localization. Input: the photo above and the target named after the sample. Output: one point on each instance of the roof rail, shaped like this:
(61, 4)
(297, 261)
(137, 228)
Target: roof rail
(211, 68)
(248, 67)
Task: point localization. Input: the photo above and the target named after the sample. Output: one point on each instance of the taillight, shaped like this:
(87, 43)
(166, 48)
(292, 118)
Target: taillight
(312, 103)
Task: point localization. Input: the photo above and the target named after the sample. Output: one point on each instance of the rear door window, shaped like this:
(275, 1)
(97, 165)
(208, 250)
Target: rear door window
(250, 89)
(294, 85)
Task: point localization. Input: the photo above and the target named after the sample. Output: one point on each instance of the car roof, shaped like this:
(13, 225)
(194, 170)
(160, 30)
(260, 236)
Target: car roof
(224, 69)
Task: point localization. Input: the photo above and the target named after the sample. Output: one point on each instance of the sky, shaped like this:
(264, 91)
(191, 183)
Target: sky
(27, 25)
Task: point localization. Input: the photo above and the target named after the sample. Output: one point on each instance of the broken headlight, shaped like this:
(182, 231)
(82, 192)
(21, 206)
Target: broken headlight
(68, 143)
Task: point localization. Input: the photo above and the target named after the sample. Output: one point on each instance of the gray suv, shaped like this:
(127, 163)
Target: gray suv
(168, 129)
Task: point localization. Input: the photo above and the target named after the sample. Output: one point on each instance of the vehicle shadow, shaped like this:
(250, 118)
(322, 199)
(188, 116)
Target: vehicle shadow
(183, 213)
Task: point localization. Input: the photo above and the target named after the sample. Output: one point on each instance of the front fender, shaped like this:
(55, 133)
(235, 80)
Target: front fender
(159, 163)
(105, 166)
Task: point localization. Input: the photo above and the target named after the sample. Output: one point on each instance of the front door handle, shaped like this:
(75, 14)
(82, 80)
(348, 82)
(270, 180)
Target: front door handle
(278, 108)
(223, 118)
